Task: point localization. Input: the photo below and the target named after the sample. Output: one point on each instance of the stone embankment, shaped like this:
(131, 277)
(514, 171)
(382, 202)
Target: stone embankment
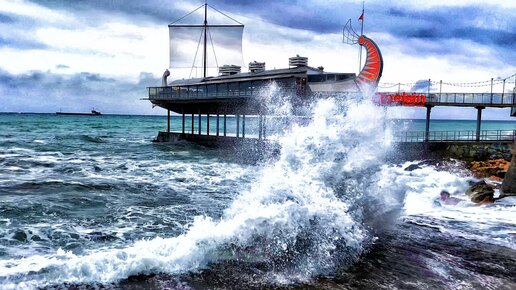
(470, 152)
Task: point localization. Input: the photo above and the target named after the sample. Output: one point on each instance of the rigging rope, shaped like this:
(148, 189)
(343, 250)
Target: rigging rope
(213, 47)
(224, 14)
(196, 51)
(186, 15)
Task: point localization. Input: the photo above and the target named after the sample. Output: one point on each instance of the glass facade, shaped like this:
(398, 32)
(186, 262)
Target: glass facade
(222, 90)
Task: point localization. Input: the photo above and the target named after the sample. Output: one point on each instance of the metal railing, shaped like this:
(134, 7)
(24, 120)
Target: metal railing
(459, 99)
(456, 136)
(472, 98)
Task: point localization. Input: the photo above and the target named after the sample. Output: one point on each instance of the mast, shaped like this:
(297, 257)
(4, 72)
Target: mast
(205, 36)
(361, 33)
(202, 38)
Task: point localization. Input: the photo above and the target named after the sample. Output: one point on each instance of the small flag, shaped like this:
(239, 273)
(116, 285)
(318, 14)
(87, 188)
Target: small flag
(361, 16)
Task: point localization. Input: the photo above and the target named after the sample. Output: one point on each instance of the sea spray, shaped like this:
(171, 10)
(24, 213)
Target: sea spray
(310, 212)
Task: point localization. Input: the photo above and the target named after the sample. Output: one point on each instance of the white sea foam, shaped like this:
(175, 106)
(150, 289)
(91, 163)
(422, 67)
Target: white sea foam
(307, 211)
(493, 223)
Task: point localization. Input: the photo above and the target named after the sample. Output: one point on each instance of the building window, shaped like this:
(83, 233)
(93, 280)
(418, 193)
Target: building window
(201, 91)
(246, 89)
(222, 90)
(233, 89)
(212, 90)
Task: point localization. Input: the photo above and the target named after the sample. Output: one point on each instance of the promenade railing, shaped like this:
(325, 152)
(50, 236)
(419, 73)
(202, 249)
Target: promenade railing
(488, 99)
(456, 136)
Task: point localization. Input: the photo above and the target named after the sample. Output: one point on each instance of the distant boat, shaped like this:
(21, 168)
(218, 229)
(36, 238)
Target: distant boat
(93, 113)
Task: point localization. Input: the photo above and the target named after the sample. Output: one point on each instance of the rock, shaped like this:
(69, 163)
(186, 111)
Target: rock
(36, 238)
(412, 167)
(495, 178)
(501, 174)
(487, 168)
(509, 182)
(20, 236)
(480, 192)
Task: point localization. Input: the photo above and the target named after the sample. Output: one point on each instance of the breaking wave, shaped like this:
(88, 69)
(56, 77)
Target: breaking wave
(314, 209)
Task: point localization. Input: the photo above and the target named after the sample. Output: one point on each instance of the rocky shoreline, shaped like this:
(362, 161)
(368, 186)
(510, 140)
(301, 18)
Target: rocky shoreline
(500, 174)
(492, 169)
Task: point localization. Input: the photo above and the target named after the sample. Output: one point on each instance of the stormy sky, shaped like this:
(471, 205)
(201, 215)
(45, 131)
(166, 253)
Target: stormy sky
(75, 55)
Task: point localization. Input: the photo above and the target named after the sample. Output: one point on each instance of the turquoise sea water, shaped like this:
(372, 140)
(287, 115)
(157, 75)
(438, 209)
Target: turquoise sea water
(148, 126)
(93, 201)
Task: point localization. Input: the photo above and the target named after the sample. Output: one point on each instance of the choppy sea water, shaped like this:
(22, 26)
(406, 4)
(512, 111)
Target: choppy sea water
(91, 201)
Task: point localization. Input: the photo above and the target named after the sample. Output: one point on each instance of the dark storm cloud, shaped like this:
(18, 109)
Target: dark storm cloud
(497, 27)
(435, 24)
(158, 10)
(78, 92)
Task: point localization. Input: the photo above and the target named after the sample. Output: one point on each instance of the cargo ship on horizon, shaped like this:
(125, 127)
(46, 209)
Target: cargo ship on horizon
(92, 113)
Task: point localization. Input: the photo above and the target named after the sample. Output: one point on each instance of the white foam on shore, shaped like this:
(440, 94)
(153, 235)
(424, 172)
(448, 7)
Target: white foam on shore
(492, 223)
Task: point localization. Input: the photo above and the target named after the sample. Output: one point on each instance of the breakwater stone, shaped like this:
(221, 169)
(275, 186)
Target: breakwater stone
(466, 152)
(509, 182)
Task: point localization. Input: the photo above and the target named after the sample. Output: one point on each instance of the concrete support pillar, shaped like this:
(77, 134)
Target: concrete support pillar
(479, 120)
(183, 121)
(192, 123)
(238, 126)
(427, 127)
(225, 125)
(168, 121)
(260, 127)
(264, 127)
(200, 123)
(243, 126)
(208, 124)
(218, 117)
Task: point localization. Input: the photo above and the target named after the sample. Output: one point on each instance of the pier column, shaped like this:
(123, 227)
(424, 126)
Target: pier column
(168, 121)
(479, 120)
(243, 126)
(192, 123)
(238, 126)
(225, 125)
(218, 117)
(208, 124)
(427, 127)
(264, 127)
(260, 127)
(183, 113)
(200, 122)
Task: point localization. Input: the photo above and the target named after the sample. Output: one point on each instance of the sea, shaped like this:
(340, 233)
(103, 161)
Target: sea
(90, 202)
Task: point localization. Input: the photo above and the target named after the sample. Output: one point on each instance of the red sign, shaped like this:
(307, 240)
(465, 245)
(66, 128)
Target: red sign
(402, 99)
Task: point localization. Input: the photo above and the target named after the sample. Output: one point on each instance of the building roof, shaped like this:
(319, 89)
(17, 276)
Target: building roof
(267, 74)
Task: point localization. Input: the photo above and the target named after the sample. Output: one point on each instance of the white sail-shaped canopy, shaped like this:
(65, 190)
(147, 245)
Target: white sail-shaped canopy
(187, 44)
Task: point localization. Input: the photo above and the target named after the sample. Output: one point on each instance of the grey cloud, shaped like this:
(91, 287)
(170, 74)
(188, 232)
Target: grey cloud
(4, 18)
(22, 43)
(478, 24)
(39, 91)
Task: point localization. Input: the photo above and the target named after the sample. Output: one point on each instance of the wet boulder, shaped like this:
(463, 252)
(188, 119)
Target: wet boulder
(480, 192)
(509, 181)
(412, 167)
(481, 169)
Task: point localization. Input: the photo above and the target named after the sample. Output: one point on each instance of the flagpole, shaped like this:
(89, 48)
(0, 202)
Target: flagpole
(361, 33)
